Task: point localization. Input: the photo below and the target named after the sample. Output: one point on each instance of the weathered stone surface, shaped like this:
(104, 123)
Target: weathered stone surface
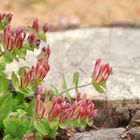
(105, 134)
(135, 121)
(134, 133)
(123, 113)
(77, 50)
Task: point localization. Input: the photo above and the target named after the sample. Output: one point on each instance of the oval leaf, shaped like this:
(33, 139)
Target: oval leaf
(75, 80)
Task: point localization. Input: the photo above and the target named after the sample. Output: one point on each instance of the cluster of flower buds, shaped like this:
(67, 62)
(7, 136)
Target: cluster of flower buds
(11, 39)
(36, 26)
(30, 137)
(33, 40)
(62, 110)
(40, 111)
(5, 16)
(101, 72)
(38, 72)
(17, 39)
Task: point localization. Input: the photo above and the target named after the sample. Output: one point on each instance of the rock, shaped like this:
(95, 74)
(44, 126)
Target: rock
(135, 121)
(105, 134)
(77, 50)
(134, 133)
(123, 113)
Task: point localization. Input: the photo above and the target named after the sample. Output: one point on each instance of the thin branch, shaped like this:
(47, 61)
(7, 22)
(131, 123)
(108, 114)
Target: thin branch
(80, 86)
(61, 93)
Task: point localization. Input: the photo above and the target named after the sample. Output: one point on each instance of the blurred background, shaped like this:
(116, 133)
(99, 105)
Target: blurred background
(76, 13)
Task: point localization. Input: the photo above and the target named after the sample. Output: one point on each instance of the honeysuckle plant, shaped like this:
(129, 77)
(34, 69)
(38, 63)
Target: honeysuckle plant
(27, 110)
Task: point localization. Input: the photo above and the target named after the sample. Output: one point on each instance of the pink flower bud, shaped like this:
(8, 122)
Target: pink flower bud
(35, 25)
(38, 104)
(7, 16)
(45, 28)
(40, 90)
(24, 137)
(31, 38)
(101, 72)
(55, 112)
(38, 43)
(31, 137)
(43, 110)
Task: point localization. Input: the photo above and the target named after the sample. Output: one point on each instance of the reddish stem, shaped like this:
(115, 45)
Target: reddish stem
(80, 86)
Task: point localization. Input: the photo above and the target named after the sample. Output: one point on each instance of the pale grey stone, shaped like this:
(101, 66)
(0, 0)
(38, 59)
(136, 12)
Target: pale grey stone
(77, 50)
(104, 134)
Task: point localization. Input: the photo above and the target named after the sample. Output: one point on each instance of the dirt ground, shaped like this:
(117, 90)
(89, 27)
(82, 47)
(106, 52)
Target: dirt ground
(77, 12)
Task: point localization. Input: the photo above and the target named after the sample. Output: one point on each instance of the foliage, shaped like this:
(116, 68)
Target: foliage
(24, 103)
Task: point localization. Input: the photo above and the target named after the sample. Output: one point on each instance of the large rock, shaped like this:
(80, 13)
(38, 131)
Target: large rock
(77, 50)
(105, 134)
(135, 121)
(134, 133)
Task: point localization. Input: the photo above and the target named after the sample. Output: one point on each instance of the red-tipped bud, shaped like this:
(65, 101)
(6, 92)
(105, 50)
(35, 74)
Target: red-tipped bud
(55, 112)
(31, 137)
(35, 25)
(38, 43)
(45, 28)
(101, 72)
(24, 137)
(40, 90)
(7, 16)
(31, 38)
(38, 104)
(43, 110)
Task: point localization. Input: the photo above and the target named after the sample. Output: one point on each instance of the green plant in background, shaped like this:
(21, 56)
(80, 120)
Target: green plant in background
(27, 111)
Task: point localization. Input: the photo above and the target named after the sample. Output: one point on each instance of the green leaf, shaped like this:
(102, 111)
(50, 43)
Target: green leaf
(38, 136)
(52, 133)
(2, 66)
(42, 36)
(99, 87)
(75, 80)
(64, 87)
(13, 125)
(15, 80)
(5, 21)
(40, 127)
(54, 123)
(48, 104)
(75, 123)
(21, 70)
(15, 50)
(7, 105)
(1, 125)
(3, 84)
(89, 122)
(8, 58)
(30, 108)
(27, 46)
(22, 53)
(83, 123)
(35, 84)
(8, 137)
(64, 124)
(21, 112)
(10, 127)
(46, 125)
(55, 90)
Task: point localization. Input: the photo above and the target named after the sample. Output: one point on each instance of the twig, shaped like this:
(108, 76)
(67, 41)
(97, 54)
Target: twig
(80, 86)
(61, 93)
